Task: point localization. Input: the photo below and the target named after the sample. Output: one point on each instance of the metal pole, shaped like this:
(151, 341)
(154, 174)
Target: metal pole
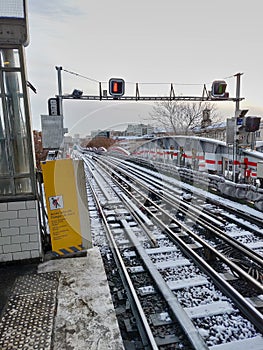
(238, 75)
(237, 112)
(59, 69)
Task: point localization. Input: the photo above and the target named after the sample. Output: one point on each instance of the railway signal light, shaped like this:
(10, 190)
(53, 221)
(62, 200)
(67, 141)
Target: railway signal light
(53, 106)
(116, 87)
(219, 89)
(252, 124)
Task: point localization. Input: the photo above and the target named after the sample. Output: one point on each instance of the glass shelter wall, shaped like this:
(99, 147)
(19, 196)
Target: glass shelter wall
(16, 160)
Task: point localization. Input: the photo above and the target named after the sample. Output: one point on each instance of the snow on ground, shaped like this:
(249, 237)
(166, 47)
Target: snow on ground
(85, 315)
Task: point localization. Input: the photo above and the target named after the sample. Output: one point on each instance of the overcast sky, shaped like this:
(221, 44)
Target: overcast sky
(189, 43)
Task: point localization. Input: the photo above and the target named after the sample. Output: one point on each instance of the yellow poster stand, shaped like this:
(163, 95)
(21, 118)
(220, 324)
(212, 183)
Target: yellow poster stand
(66, 206)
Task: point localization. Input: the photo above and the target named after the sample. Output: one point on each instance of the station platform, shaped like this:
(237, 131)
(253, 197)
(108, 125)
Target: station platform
(58, 304)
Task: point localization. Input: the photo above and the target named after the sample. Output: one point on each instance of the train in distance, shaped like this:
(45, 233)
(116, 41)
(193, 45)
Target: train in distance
(202, 154)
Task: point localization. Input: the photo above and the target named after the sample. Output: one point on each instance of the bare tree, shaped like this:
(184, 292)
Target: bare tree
(101, 142)
(179, 117)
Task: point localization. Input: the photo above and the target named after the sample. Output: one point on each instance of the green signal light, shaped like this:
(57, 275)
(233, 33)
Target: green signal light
(219, 88)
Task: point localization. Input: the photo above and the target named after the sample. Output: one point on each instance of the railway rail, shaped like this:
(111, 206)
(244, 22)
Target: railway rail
(169, 195)
(178, 298)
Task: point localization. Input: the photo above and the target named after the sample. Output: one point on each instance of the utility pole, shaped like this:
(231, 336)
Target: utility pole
(237, 113)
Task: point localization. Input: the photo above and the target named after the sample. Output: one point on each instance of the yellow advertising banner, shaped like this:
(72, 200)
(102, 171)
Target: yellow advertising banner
(62, 206)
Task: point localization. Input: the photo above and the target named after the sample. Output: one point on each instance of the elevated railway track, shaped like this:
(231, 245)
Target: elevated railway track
(182, 289)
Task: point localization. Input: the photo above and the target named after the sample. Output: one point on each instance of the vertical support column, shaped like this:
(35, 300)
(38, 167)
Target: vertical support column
(237, 112)
(59, 69)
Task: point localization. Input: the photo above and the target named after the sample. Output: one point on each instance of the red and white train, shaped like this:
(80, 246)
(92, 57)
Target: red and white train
(203, 154)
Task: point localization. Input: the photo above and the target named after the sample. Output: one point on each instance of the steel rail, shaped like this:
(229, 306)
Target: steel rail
(247, 308)
(177, 310)
(244, 305)
(142, 324)
(228, 262)
(257, 221)
(198, 216)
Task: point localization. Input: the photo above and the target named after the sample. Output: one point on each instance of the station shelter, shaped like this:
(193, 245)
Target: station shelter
(19, 221)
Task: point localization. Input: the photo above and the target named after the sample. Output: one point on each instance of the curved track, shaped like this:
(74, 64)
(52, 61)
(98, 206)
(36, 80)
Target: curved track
(171, 274)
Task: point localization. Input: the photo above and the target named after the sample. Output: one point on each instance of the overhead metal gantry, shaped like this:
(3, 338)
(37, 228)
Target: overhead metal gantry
(116, 92)
(148, 98)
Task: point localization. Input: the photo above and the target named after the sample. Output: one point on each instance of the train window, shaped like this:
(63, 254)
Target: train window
(165, 144)
(209, 147)
(169, 142)
(197, 145)
(160, 143)
(146, 145)
(188, 145)
(220, 149)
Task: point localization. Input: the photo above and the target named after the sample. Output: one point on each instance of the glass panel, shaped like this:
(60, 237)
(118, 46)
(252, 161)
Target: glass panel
(209, 147)
(12, 8)
(5, 187)
(15, 155)
(23, 185)
(4, 169)
(9, 58)
(17, 123)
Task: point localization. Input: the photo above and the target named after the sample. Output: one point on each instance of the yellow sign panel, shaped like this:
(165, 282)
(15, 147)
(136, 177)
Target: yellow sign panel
(62, 206)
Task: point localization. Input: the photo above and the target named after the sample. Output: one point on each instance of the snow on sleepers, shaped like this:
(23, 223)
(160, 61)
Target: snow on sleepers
(189, 282)
(172, 263)
(161, 250)
(255, 343)
(216, 308)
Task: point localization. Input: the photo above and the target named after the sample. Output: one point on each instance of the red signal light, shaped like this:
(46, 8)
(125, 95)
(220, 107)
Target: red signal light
(116, 87)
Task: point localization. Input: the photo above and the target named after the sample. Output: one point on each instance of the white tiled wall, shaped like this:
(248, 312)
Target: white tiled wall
(19, 231)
